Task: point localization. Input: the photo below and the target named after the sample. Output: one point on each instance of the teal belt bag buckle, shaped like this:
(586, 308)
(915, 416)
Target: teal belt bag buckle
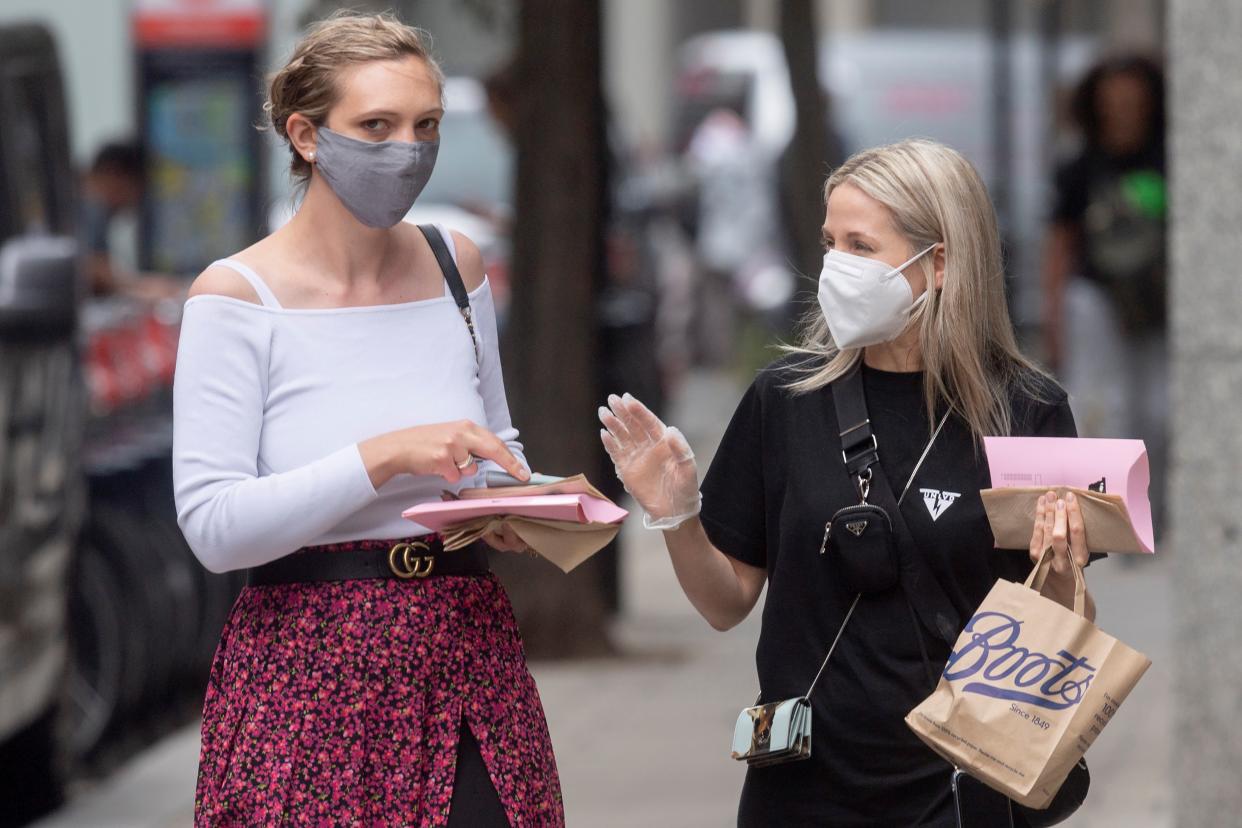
(769, 734)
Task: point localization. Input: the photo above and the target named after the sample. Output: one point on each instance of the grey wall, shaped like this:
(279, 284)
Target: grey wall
(1206, 214)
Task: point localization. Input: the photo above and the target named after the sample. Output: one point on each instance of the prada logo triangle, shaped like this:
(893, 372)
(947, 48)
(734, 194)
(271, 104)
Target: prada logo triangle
(857, 527)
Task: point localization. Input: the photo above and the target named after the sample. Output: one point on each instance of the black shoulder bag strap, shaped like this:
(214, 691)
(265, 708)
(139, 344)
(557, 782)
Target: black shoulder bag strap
(861, 453)
(453, 277)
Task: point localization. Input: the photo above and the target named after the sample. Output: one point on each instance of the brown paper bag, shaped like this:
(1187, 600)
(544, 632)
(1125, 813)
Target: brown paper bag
(1011, 513)
(577, 484)
(561, 542)
(1027, 689)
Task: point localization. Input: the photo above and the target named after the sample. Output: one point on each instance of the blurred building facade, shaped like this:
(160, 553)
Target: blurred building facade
(473, 37)
(642, 66)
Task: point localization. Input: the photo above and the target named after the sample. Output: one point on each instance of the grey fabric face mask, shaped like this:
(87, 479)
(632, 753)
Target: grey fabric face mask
(376, 181)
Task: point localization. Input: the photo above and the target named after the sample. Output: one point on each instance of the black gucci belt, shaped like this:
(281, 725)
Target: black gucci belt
(407, 561)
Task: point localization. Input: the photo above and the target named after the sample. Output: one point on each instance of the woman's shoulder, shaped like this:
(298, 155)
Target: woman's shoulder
(778, 386)
(469, 260)
(1035, 399)
(224, 306)
(774, 380)
(1034, 387)
(780, 374)
(465, 252)
(227, 277)
(223, 281)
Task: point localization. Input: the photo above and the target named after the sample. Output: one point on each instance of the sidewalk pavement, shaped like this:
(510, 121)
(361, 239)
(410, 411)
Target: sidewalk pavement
(643, 740)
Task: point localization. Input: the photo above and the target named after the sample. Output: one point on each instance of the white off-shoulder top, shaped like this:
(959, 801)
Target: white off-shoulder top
(270, 403)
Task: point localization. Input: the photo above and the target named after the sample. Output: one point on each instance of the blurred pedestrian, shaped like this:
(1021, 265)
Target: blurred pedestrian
(364, 676)
(113, 186)
(1105, 267)
(735, 231)
(912, 319)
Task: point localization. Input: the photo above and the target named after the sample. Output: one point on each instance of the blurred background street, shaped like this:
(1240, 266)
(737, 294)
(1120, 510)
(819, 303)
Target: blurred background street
(680, 244)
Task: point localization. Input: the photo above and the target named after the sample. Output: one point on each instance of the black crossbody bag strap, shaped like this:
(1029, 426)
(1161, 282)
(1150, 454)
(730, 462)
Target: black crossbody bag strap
(452, 276)
(860, 451)
(924, 595)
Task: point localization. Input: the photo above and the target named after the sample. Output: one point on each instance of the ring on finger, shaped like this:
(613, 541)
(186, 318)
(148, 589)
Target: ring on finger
(465, 464)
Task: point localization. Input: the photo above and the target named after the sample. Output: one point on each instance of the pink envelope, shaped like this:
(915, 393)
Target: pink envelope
(574, 508)
(1110, 466)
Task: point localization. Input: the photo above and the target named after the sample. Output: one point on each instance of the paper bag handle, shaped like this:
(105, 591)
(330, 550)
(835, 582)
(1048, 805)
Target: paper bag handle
(1039, 575)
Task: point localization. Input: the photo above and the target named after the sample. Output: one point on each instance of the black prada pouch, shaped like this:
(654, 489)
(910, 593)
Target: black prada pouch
(860, 547)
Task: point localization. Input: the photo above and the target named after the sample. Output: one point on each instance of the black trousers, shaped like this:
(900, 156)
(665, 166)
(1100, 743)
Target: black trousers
(475, 801)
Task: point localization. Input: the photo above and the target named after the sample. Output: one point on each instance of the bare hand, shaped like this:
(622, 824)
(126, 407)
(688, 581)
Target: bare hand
(450, 450)
(505, 539)
(1059, 523)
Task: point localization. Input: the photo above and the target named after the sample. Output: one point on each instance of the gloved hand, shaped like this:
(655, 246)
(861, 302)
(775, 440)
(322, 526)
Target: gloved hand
(653, 461)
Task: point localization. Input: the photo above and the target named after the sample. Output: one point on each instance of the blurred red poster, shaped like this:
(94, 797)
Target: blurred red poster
(167, 23)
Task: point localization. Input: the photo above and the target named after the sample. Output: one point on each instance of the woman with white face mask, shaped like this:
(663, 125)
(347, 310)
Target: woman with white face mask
(333, 374)
(912, 318)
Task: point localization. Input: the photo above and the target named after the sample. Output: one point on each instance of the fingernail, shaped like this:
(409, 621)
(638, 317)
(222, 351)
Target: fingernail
(1069, 497)
(602, 412)
(1060, 505)
(613, 399)
(627, 397)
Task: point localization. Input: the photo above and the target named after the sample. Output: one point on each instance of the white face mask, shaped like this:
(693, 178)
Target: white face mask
(865, 301)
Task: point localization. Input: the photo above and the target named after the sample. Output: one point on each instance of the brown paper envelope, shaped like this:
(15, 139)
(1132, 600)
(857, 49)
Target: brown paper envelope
(578, 484)
(462, 535)
(1011, 512)
(563, 543)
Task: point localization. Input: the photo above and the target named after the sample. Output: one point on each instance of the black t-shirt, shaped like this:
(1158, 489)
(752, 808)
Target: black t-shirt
(1118, 207)
(774, 482)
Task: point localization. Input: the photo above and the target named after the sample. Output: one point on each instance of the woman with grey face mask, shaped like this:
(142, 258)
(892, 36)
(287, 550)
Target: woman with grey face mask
(333, 374)
(906, 362)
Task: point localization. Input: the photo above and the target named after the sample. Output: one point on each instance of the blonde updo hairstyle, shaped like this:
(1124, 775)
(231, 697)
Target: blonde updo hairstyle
(307, 83)
(971, 359)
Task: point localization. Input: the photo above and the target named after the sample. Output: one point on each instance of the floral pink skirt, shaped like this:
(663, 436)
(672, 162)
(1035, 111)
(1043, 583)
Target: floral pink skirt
(340, 703)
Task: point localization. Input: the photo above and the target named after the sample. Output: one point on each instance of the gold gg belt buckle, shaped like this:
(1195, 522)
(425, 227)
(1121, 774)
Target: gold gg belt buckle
(405, 563)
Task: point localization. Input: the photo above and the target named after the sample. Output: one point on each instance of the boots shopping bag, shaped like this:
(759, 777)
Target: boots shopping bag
(1027, 689)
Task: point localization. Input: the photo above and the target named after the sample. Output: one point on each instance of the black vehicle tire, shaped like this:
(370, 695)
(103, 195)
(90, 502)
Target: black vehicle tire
(176, 574)
(187, 578)
(134, 563)
(149, 564)
(97, 657)
(31, 772)
(219, 591)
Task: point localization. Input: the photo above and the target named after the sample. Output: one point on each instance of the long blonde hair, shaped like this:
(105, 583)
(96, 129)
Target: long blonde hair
(971, 359)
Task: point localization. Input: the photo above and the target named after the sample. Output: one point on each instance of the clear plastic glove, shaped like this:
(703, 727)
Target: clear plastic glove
(653, 461)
